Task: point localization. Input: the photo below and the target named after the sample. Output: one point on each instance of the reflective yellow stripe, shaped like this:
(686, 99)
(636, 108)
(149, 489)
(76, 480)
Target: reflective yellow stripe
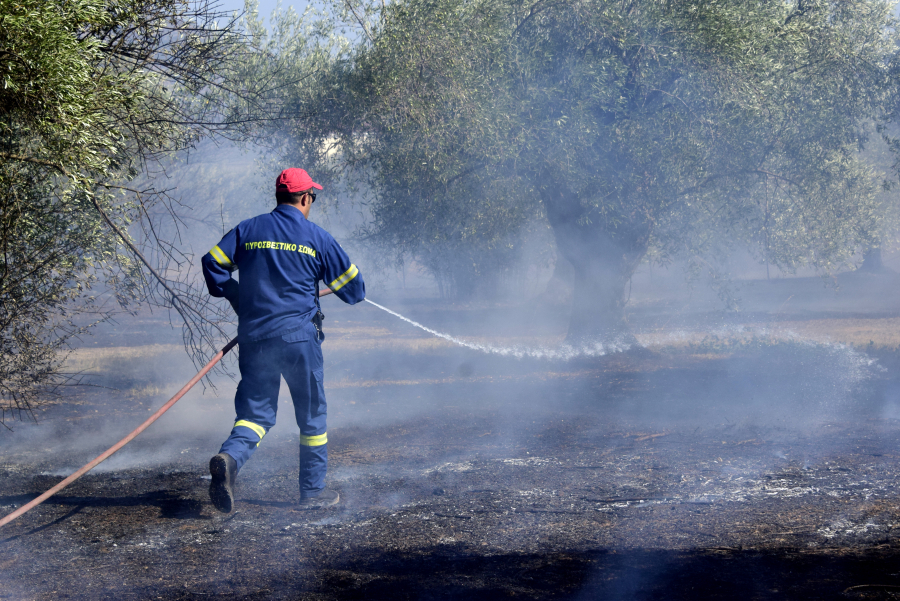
(314, 441)
(346, 277)
(260, 431)
(220, 257)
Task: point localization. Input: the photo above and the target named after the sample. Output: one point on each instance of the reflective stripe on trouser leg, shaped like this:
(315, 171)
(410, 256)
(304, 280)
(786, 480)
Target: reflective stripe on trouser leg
(313, 465)
(245, 437)
(316, 440)
(259, 430)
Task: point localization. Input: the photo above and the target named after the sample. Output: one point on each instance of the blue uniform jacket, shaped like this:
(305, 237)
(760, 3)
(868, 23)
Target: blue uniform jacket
(281, 256)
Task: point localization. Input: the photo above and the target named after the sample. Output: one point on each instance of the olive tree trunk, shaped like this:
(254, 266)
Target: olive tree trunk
(604, 259)
(872, 261)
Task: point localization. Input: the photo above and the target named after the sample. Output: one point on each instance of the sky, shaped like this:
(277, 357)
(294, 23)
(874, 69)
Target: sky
(265, 6)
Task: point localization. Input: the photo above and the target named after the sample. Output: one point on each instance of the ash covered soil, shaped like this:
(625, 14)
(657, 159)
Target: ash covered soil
(740, 460)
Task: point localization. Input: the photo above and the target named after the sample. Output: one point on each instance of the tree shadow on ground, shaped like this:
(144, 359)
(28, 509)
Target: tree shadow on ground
(171, 504)
(457, 573)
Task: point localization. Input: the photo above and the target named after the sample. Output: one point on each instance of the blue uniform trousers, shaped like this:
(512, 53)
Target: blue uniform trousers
(298, 357)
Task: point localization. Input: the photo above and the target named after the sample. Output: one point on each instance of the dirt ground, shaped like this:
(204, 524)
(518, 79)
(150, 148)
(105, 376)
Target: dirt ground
(748, 456)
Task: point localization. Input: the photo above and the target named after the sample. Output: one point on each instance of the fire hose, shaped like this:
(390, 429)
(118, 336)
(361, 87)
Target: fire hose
(34, 503)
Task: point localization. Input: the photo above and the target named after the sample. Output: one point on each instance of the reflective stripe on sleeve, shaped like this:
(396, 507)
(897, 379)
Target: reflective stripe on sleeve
(344, 279)
(259, 430)
(314, 441)
(220, 257)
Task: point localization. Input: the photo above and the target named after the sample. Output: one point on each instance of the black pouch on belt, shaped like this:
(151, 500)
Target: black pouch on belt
(317, 321)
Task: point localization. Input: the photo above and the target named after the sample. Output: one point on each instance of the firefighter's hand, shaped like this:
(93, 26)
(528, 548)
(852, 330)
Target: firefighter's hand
(325, 291)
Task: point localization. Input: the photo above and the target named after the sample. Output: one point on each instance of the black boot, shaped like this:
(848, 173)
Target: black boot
(326, 498)
(223, 470)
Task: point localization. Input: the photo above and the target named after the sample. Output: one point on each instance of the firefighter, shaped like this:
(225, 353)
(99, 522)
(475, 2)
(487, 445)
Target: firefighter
(282, 256)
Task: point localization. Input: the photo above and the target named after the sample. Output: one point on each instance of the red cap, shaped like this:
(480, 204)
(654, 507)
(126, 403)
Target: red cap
(295, 180)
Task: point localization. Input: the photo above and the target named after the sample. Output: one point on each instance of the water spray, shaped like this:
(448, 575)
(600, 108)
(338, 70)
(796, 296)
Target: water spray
(563, 352)
(104, 456)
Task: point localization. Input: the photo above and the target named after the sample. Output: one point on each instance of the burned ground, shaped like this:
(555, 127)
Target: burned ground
(736, 461)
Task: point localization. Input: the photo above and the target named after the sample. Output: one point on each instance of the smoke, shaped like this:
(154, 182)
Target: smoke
(432, 401)
(479, 364)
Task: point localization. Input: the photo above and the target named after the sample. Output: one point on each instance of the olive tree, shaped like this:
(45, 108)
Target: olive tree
(94, 94)
(670, 127)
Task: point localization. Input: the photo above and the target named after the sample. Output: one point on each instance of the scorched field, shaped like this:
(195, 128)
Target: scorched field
(739, 456)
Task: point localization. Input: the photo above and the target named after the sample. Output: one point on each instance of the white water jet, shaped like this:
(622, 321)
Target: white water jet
(564, 352)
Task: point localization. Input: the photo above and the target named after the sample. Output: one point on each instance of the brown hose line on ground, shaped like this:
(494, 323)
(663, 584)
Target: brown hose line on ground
(121, 443)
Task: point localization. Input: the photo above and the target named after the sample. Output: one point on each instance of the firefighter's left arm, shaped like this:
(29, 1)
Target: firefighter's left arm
(342, 276)
(218, 264)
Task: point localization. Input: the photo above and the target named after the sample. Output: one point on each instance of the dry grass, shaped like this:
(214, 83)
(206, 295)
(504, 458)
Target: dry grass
(100, 360)
(369, 338)
(880, 333)
(132, 371)
(876, 332)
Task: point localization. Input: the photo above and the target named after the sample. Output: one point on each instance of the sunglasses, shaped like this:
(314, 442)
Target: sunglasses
(313, 195)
